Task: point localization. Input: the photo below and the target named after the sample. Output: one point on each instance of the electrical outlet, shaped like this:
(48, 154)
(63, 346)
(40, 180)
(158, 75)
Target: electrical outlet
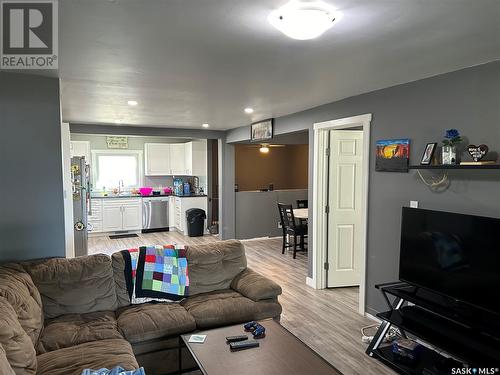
(414, 204)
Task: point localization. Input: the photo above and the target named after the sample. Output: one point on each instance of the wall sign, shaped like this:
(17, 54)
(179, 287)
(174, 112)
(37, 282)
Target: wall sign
(262, 130)
(117, 142)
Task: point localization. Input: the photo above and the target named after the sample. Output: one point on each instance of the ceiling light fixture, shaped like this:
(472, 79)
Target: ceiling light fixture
(248, 110)
(205, 125)
(118, 122)
(303, 19)
(264, 149)
(132, 103)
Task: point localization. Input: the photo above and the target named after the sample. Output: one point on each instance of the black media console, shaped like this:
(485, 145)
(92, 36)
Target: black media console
(471, 337)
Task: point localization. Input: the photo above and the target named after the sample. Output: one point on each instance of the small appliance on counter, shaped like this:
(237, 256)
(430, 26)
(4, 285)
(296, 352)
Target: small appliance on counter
(178, 186)
(187, 188)
(195, 185)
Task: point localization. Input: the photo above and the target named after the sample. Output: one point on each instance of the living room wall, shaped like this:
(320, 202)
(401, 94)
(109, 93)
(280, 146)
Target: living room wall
(468, 99)
(32, 213)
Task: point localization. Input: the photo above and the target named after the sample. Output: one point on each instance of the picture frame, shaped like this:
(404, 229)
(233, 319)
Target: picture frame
(428, 154)
(262, 130)
(392, 155)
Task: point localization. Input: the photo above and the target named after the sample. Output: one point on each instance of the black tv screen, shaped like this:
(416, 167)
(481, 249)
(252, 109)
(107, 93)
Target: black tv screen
(452, 254)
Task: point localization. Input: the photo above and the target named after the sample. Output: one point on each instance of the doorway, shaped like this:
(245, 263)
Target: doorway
(340, 201)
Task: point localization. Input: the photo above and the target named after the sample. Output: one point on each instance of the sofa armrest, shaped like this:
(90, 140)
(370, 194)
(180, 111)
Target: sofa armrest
(255, 286)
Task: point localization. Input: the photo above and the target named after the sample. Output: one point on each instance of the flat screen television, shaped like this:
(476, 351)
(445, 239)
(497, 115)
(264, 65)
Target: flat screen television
(454, 255)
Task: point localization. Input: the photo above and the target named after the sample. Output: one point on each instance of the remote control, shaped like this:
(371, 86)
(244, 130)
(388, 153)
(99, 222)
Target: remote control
(236, 338)
(243, 345)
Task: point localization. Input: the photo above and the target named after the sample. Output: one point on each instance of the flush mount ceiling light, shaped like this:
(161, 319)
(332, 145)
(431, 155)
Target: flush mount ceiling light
(205, 125)
(303, 19)
(248, 110)
(132, 103)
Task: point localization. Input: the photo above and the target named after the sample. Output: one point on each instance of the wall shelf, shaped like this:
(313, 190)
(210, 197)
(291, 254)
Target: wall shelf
(443, 167)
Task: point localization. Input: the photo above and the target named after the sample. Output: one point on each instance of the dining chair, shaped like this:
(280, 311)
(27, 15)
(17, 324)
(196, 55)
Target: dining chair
(290, 228)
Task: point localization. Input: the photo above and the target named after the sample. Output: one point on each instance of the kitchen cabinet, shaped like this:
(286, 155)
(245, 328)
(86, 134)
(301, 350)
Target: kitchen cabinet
(181, 159)
(196, 158)
(121, 214)
(181, 205)
(80, 148)
(157, 159)
(95, 219)
(178, 159)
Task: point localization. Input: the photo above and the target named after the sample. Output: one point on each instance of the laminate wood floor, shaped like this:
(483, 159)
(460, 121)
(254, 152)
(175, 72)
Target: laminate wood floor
(326, 320)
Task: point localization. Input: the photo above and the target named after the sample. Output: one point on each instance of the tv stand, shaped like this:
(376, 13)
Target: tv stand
(444, 333)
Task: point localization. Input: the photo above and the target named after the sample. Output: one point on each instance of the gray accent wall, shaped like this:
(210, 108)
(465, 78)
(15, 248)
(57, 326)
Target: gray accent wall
(31, 187)
(469, 100)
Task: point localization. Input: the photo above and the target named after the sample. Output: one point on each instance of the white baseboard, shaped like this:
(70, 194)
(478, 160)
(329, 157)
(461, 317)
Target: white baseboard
(373, 317)
(310, 282)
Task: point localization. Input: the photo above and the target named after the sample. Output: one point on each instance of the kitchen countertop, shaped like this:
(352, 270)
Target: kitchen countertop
(112, 196)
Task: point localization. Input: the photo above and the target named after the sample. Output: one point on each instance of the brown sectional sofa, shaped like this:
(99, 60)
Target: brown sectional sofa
(59, 316)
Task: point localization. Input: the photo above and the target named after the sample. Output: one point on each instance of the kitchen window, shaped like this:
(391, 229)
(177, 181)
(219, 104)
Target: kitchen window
(111, 167)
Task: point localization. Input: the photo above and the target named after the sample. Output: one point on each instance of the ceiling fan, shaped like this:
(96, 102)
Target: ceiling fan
(264, 147)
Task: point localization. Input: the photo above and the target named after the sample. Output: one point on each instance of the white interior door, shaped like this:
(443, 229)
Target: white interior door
(345, 211)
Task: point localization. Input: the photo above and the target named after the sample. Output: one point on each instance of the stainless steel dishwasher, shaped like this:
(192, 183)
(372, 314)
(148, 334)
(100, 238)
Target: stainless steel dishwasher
(154, 214)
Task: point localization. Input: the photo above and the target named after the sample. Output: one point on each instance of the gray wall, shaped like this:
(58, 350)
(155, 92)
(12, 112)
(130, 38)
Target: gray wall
(257, 212)
(32, 212)
(468, 100)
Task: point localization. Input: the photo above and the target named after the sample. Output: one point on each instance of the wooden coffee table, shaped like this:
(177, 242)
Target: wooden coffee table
(279, 353)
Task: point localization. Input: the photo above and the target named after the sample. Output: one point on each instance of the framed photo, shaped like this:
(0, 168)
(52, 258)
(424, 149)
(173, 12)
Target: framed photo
(262, 130)
(428, 153)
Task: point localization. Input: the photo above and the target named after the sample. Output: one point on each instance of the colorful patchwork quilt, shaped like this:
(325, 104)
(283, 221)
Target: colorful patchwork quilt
(158, 272)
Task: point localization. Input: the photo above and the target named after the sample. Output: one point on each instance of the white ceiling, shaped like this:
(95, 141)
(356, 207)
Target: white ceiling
(193, 61)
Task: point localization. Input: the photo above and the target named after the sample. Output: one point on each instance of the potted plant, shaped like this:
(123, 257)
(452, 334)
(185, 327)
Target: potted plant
(449, 150)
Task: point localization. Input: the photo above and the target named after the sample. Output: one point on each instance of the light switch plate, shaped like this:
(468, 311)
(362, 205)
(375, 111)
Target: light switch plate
(414, 204)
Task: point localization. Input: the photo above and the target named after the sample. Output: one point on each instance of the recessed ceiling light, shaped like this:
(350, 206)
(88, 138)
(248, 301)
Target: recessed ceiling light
(205, 125)
(132, 103)
(248, 110)
(303, 19)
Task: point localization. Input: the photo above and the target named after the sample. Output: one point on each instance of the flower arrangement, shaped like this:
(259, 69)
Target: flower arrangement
(453, 138)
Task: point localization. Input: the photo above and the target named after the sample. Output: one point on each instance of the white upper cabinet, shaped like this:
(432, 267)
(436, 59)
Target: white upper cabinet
(80, 148)
(182, 159)
(198, 164)
(178, 159)
(157, 159)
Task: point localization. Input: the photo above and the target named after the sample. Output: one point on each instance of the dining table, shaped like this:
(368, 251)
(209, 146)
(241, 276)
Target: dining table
(301, 213)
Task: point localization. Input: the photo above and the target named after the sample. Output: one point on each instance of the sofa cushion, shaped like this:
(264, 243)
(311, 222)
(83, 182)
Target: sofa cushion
(17, 287)
(154, 320)
(227, 307)
(15, 342)
(5, 368)
(214, 265)
(255, 286)
(74, 329)
(75, 286)
(94, 355)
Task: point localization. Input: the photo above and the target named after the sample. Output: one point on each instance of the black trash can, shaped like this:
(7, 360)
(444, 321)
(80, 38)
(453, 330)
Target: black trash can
(195, 218)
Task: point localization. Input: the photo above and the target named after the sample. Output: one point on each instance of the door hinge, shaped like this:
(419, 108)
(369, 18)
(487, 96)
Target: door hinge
(327, 209)
(327, 152)
(327, 266)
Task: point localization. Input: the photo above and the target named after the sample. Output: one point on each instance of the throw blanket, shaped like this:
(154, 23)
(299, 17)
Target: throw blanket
(159, 272)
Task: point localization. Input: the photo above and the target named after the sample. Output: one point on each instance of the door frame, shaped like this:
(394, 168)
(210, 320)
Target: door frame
(320, 196)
